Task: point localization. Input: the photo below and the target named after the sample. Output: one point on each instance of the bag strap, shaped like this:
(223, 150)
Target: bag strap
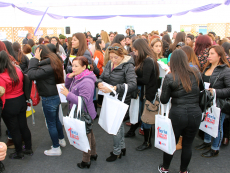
(84, 105)
(125, 93)
(216, 79)
(71, 114)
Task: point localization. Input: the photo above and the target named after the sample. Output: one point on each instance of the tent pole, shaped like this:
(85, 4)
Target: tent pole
(41, 21)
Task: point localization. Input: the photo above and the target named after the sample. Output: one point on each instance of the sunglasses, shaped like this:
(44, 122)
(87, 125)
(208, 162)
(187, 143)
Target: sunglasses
(113, 48)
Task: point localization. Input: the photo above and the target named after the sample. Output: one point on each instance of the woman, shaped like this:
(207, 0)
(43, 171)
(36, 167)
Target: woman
(127, 32)
(165, 48)
(99, 55)
(53, 49)
(226, 47)
(69, 45)
(217, 69)
(11, 79)
(46, 69)
(147, 72)
(202, 45)
(180, 37)
(32, 45)
(156, 46)
(9, 48)
(182, 85)
(118, 71)
(60, 49)
(105, 38)
(20, 57)
(167, 38)
(26, 49)
(81, 82)
(79, 48)
(192, 58)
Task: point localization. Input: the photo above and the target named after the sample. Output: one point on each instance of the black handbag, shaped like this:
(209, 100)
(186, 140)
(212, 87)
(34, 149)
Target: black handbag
(84, 116)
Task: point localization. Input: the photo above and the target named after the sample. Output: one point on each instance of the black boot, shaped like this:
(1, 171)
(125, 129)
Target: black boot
(123, 152)
(210, 153)
(131, 132)
(28, 152)
(93, 157)
(203, 146)
(16, 155)
(147, 143)
(82, 165)
(113, 157)
(2, 167)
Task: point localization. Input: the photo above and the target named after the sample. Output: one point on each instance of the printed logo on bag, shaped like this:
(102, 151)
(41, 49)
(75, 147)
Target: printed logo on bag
(76, 143)
(206, 126)
(161, 143)
(210, 118)
(73, 134)
(161, 133)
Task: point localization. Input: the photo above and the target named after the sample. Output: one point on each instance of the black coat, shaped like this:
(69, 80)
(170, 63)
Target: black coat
(24, 63)
(123, 73)
(43, 73)
(146, 76)
(222, 85)
(179, 96)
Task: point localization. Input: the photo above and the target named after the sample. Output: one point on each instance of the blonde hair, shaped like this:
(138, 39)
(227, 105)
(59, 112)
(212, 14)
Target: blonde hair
(155, 32)
(153, 42)
(105, 37)
(211, 36)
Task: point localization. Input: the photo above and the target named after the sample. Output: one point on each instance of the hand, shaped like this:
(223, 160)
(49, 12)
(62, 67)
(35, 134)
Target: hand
(100, 85)
(211, 90)
(3, 149)
(64, 91)
(72, 75)
(38, 54)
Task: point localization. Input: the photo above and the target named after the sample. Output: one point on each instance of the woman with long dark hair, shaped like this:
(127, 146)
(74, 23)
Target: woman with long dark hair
(202, 44)
(147, 71)
(182, 85)
(217, 69)
(20, 57)
(167, 38)
(47, 70)
(11, 79)
(180, 37)
(60, 49)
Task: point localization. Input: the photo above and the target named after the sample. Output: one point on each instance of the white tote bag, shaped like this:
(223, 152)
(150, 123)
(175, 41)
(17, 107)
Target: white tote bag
(211, 121)
(75, 129)
(113, 112)
(134, 110)
(164, 134)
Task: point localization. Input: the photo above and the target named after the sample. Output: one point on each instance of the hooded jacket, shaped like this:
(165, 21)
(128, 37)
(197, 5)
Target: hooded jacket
(43, 73)
(83, 87)
(123, 73)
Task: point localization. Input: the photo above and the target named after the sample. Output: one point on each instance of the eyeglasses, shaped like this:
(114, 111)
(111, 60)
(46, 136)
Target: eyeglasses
(116, 57)
(113, 48)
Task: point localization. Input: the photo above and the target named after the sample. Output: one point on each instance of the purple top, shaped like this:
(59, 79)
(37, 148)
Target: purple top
(83, 87)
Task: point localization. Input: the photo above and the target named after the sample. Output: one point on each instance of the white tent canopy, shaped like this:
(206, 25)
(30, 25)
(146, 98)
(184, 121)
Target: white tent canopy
(16, 18)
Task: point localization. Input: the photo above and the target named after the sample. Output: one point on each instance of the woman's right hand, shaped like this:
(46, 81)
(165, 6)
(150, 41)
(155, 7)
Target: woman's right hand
(100, 85)
(71, 75)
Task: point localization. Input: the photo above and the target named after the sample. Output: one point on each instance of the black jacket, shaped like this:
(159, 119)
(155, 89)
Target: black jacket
(222, 85)
(25, 62)
(123, 73)
(88, 56)
(43, 73)
(179, 96)
(146, 76)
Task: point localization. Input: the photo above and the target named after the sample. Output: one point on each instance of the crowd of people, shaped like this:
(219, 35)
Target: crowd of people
(83, 62)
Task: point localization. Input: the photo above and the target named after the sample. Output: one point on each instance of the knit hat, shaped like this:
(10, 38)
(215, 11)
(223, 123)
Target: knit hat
(2, 91)
(61, 36)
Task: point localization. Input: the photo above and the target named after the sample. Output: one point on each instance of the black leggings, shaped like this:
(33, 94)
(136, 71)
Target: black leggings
(14, 116)
(185, 121)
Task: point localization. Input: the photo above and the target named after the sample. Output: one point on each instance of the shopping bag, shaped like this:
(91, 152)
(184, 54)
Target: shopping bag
(211, 120)
(134, 110)
(60, 114)
(113, 112)
(34, 94)
(75, 129)
(164, 134)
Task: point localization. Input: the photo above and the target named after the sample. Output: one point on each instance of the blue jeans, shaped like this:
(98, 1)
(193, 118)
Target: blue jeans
(216, 143)
(95, 95)
(143, 125)
(51, 110)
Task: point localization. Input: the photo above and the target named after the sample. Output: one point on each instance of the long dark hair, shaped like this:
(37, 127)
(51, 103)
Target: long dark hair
(55, 63)
(5, 63)
(82, 44)
(167, 38)
(118, 39)
(17, 49)
(97, 45)
(57, 45)
(9, 48)
(202, 42)
(226, 47)
(180, 68)
(143, 52)
(53, 49)
(180, 37)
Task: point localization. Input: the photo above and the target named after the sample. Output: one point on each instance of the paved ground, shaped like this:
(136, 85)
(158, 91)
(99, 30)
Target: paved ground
(134, 161)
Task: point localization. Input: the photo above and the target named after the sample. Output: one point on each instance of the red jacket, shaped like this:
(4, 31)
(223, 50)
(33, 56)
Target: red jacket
(6, 82)
(99, 61)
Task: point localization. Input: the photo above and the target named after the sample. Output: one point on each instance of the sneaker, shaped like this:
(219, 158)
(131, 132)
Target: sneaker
(161, 169)
(53, 151)
(141, 132)
(188, 171)
(62, 142)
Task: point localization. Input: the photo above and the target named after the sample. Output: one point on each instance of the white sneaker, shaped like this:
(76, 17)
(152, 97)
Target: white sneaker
(53, 151)
(62, 142)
